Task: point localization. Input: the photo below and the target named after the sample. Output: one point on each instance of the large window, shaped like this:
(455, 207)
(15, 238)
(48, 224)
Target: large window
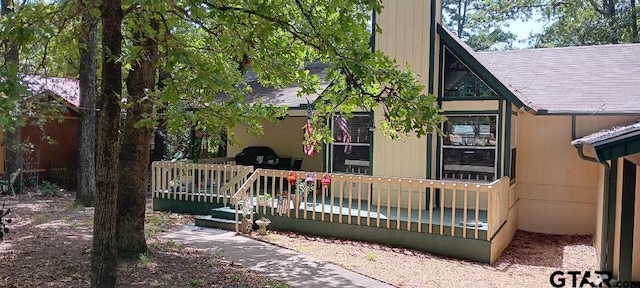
(352, 156)
(460, 82)
(469, 148)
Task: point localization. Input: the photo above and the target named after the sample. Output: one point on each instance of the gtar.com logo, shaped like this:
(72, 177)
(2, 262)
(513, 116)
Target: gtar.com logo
(587, 279)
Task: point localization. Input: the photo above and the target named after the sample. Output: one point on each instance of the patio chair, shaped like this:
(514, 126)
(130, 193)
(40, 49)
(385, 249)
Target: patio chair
(284, 163)
(297, 164)
(7, 185)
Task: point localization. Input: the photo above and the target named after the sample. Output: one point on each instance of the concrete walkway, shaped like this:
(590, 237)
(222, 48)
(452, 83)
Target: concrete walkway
(297, 270)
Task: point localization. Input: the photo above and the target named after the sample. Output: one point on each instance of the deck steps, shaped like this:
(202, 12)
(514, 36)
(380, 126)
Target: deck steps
(212, 222)
(221, 218)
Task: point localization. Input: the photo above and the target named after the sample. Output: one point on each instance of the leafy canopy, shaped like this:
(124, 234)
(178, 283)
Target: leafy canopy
(208, 49)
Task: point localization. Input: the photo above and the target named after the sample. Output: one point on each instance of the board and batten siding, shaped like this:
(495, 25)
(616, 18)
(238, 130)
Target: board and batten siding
(635, 265)
(559, 192)
(284, 137)
(406, 37)
(557, 189)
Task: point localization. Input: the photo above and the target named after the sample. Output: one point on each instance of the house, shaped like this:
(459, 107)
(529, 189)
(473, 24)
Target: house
(506, 160)
(52, 150)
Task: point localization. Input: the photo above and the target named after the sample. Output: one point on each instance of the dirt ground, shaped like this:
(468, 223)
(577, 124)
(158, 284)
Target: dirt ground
(49, 245)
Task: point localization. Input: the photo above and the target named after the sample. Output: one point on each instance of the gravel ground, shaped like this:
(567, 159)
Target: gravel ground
(527, 262)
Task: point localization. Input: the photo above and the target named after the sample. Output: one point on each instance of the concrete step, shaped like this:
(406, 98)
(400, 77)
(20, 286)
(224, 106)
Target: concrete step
(228, 213)
(212, 222)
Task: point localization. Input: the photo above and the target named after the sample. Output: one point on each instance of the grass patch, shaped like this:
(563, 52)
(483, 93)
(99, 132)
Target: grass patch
(146, 258)
(218, 254)
(195, 282)
(275, 284)
(371, 256)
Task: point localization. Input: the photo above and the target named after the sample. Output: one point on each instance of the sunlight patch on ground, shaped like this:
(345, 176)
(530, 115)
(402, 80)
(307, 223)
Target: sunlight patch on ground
(56, 224)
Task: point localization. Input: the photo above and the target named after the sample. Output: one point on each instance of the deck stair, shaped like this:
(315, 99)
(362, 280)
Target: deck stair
(221, 218)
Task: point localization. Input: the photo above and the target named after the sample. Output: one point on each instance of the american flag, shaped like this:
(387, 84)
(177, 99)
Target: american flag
(310, 146)
(344, 128)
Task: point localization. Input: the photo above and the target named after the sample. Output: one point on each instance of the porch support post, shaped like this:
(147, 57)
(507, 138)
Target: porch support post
(609, 216)
(629, 180)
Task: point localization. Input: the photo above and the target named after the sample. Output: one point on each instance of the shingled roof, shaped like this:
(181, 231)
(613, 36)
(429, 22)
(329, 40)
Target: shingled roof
(67, 89)
(602, 79)
(288, 96)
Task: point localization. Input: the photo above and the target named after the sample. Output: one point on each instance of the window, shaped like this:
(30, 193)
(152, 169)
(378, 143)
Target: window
(469, 148)
(460, 82)
(353, 157)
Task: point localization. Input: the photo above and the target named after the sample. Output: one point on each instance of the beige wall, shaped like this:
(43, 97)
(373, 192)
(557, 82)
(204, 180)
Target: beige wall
(284, 137)
(406, 157)
(405, 37)
(557, 189)
(586, 125)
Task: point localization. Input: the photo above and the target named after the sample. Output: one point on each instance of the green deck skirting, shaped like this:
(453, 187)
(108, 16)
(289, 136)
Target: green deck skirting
(187, 207)
(443, 245)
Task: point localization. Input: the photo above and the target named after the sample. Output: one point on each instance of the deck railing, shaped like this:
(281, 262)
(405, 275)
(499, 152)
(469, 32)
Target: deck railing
(219, 160)
(187, 181)
(454, 208)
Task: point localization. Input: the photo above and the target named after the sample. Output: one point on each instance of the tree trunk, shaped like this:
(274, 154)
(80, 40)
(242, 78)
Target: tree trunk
(134, 156)
(104, 258)
(12, 135)
(609, 8)
(160, 139)
(88, 90)
(634, 22)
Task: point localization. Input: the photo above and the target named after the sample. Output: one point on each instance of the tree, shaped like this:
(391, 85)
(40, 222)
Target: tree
(134, 154)
(88, 90)
(12, 130)
(103, 252)
(593, 22)
(482, 23)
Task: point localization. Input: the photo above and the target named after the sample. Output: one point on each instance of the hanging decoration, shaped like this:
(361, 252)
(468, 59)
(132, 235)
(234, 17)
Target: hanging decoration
(292, 178)
(326, 180)
(309, 145)
(310, 178)
(341, 123)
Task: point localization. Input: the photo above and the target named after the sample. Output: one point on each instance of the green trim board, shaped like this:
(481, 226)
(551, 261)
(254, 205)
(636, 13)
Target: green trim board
(610, 215)
(372, 39)
(432, 46)
(471, 112)
(371, 135)
(183, 206)
(500, 141)
(477, 68)
(627, 215)
(429, 155)
(573, 127)
(604, 234)
(507, 142)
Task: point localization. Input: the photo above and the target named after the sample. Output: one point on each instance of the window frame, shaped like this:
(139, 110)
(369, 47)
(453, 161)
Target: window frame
(332, 146)
(443, 80)
(495, 147)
